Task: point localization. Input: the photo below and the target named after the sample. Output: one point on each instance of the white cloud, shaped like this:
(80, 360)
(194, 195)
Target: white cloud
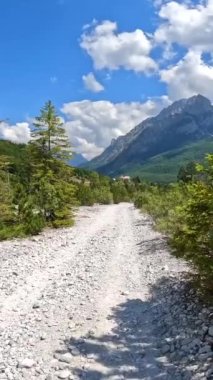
(18, 133)
(93, 23)
(112, 50)
(188, 25)
(91, 83)
(92, 125)
(189, 76)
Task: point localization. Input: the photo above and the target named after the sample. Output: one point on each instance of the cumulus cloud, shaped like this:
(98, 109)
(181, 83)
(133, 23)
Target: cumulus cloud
(91, 83)
(189, 76)
(18, 133)
(189, 25)
(92, 125)
(112, 50)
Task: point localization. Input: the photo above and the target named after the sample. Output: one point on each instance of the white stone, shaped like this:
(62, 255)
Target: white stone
(63, 374)
(27, 363)
(66, 358)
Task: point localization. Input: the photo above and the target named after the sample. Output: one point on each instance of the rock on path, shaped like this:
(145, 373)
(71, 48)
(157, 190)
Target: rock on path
(102, 300)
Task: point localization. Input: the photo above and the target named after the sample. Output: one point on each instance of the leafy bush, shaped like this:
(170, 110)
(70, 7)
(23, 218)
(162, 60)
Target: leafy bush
(103, 196)
(185, 213)
(119, 192)
(193, 238)
(85, 195)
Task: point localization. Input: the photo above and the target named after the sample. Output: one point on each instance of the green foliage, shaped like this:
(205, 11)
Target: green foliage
(6, 211)
(187, 173)
(102, 195)
(164, 168)
(50, 176)
(96, 188)
(193, 238)
(11, 150)
(85, 195)
(161, 202)
(49, 136)
(120, 192)
(37, 190)
(6, 194)
(185, 213)
(93, 188)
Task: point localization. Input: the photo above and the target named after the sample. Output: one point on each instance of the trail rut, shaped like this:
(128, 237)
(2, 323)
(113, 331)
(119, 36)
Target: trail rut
(78, 302)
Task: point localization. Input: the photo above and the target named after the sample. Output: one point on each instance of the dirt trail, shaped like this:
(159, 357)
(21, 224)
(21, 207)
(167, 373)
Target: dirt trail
(78, 303)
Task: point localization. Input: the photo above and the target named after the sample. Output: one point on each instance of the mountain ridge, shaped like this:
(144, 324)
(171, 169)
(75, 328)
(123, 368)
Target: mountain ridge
(183, 122)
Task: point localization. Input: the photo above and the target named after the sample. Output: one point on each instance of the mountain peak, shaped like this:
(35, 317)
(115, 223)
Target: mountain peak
(183, 122)
(195, 104)
(198, 99)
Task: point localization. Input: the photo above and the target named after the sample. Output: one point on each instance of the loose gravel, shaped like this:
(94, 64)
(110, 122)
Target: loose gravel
(102, 300)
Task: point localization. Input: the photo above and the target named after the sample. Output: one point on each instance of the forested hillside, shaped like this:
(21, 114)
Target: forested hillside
(7, 148)
(164, 168)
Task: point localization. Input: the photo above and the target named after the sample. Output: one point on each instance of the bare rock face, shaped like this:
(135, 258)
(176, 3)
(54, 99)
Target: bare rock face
(184, 122)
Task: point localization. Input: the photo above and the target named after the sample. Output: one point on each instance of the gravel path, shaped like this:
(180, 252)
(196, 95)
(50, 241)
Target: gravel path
(96, 302)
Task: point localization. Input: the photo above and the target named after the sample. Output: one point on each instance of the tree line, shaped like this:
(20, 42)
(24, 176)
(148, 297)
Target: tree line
(38, 188)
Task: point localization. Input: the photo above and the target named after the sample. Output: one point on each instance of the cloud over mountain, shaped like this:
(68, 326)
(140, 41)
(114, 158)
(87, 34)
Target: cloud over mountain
(92, 125)
(189, 76)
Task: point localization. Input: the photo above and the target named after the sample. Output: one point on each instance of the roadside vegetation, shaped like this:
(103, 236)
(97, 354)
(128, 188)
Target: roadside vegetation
(93, 187)
(35, 185)
(39, 189)
(184, 211)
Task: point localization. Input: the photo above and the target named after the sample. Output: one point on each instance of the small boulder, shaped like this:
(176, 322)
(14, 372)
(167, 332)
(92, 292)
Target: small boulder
(63, 374)
(27, 363)
(66, 358)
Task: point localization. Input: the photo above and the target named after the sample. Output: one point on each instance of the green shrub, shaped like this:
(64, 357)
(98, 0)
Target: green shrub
(103, 196)
(85, 195)
(185, 213)
(119, 192)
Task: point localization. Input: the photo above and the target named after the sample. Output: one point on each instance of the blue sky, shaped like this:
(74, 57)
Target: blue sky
(105, 64)
(40, 40)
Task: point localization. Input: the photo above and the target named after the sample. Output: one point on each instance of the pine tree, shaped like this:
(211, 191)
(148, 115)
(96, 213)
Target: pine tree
(49, 135)
(50, 182)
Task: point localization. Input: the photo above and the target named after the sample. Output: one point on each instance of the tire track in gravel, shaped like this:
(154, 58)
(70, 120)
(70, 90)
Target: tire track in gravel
(80, 305)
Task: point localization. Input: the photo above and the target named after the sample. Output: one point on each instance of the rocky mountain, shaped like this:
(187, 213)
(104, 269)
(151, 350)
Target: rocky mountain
(185, 121)
(117, 146)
